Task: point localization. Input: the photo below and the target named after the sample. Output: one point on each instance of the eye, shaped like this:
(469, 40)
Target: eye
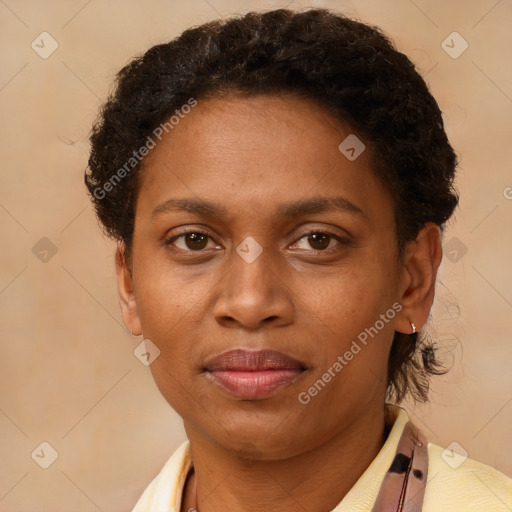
(192, 241)
(199, 241)
(319, 241)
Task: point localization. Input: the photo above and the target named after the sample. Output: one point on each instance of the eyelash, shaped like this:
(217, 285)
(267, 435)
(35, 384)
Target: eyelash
(341, 241)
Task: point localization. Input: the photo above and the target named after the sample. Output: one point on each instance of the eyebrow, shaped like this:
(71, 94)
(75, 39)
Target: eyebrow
(286, 210)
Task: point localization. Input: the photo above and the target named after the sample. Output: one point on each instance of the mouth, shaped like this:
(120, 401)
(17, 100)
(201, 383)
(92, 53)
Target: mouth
(253, 375)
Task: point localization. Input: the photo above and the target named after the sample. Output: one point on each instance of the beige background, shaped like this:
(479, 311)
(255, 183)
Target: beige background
(68, 375)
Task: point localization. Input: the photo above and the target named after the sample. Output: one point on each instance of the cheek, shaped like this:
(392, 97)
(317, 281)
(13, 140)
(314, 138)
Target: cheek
(166, 311)
(349, 297)
(165, 300)
(346, 308)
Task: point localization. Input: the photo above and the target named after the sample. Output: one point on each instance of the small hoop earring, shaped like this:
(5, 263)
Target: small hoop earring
(413, 328)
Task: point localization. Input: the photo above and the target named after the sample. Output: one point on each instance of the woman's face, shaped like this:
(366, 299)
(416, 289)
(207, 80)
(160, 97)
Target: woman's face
(252, 181)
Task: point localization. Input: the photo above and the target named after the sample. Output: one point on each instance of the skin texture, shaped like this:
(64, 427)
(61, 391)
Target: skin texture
(251, 155)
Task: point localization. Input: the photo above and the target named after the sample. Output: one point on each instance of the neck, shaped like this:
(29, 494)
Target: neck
(316, 480)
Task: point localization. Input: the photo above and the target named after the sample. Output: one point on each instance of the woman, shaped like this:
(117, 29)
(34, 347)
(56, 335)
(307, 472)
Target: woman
(278, 184)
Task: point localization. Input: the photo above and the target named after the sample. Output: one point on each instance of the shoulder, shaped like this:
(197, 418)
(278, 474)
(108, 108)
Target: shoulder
(456, 483)
(164, 491)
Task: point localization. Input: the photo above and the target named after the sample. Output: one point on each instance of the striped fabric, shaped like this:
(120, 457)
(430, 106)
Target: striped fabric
(403, 487)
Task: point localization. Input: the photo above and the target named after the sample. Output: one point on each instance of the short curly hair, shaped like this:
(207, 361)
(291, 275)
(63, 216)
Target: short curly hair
(349, 67)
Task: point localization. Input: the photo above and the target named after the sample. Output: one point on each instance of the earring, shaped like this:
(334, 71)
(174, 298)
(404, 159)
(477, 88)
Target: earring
(413, 328)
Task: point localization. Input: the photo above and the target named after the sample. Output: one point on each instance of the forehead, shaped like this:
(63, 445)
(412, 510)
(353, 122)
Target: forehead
(258, 125)
(258, 149)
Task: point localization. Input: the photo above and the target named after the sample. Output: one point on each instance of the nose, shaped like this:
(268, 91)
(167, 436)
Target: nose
(253, 294)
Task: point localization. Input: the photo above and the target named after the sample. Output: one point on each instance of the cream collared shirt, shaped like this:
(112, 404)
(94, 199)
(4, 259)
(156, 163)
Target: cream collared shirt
(468, 487)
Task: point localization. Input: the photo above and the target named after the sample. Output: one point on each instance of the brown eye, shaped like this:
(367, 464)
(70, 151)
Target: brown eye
(319, 241)
(196, 241)
(191, 241)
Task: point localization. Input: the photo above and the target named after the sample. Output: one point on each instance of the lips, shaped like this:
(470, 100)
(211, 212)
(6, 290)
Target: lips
(253, 375)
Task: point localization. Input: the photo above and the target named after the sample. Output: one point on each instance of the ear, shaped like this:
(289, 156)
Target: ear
(421, 262)
(126, 293)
